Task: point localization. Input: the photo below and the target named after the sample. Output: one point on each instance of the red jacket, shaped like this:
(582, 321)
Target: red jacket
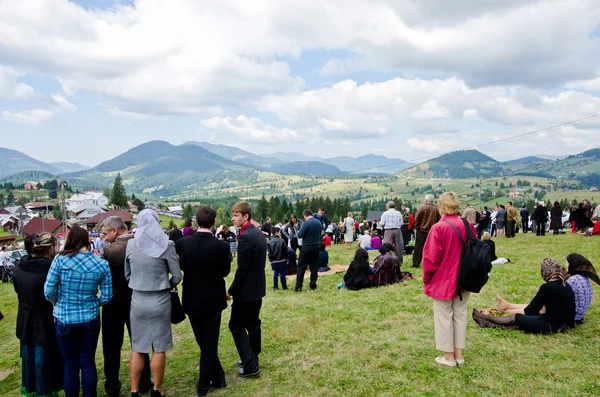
(411, 221)
(441, 258)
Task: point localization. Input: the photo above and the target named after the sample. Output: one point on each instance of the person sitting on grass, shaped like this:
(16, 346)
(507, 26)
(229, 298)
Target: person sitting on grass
(364, 241)
(387, 269)
(550, 311)
(595, 230)
(323, 261)
(487, 239)
(292, 263)
(278, 256)
(357, 275)
(375, 241)
(580, 271)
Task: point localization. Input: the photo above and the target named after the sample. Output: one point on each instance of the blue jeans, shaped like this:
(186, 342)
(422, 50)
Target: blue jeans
(279, 273)
(78, 344)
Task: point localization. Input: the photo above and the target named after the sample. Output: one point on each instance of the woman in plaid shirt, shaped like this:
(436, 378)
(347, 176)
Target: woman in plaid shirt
(72, 286)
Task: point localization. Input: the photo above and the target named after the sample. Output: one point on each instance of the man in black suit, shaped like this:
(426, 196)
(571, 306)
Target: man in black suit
(205, 261)
(175, 234)
(247, 289)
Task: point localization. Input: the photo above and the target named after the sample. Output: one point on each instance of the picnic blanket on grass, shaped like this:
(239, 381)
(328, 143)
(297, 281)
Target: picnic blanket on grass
(334, 269)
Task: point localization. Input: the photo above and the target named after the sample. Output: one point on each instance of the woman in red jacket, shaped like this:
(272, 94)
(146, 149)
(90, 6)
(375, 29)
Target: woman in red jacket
(441, 262)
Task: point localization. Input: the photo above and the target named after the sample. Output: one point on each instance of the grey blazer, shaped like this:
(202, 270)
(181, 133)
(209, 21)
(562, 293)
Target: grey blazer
(151, 274)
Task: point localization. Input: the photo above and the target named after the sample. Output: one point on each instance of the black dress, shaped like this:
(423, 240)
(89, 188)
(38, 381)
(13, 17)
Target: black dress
(357, 276)
(559, 301)
(41, 361)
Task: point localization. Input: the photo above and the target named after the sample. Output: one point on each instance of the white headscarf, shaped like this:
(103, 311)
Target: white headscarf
(149, 237)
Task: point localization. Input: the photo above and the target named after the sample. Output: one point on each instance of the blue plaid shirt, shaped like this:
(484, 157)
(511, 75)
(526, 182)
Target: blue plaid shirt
(75, 282)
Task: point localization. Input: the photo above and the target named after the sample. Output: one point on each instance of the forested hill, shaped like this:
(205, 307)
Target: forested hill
(458, 165)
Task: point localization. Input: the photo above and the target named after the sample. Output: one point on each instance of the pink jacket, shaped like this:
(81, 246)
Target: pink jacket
(441, 258)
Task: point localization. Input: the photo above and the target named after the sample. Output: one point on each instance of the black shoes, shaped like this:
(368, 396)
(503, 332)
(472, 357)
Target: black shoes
(112, 390)
(240, 364)
(134, 394)
(255, 373)
(156, 393)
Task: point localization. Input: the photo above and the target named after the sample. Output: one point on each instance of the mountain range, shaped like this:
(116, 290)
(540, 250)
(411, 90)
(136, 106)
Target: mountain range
(160, 168)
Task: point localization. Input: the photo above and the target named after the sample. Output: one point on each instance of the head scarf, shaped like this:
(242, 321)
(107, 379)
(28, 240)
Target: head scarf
(579, 264)
(551, 270)
(149, 237)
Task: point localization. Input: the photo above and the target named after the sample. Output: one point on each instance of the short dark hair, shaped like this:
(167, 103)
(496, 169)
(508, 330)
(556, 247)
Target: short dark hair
(509, 202)
(188, 222)
(307, 212)
(276, 230)
(322, 209)
(205, 217)
(243, 208)
(323, 246)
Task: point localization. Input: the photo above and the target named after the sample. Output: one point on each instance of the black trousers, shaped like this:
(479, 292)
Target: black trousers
(206, 329)
(244, 325)
(115, 317)
(510, 228)
(541, 229)
(524, 225)
(405, 234)
(308, 258)
(419, 244)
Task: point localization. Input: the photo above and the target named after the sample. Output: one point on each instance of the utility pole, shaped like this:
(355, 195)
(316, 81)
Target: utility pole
(64, 210)
(479, 193)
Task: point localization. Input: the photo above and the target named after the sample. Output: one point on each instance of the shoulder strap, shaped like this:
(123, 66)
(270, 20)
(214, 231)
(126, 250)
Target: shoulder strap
(468, 227)
(457, 232)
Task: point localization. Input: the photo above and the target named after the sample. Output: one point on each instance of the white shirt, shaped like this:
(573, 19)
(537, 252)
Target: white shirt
(3, 257)
(364, 241)
(391, 219)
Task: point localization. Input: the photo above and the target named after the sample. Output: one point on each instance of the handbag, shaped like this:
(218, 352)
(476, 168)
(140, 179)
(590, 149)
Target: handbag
(177, 314)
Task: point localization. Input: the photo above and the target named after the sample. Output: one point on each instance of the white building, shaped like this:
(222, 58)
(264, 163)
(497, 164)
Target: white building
(78, 200)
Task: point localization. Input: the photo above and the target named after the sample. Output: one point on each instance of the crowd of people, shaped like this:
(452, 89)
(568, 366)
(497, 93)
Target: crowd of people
(128, 280)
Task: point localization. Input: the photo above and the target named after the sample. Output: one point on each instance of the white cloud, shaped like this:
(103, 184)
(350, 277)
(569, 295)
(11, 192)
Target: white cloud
(180, 56)
(10, 88)
(34, 116)
(430, 110)
(429, 145)
(62, 103)
(332, 125)
(251, 130)
(471, 114)
(588, 85)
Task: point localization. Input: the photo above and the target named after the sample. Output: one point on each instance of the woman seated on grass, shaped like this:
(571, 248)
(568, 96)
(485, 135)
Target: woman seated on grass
(487, 239)
(580, 271)
(375, 241)
(550, 311)
(357, 275)
(387, 269)
(323, 261)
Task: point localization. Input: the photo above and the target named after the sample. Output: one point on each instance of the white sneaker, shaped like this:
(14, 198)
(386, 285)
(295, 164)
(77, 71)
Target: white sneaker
(460, 361)
(447, 363)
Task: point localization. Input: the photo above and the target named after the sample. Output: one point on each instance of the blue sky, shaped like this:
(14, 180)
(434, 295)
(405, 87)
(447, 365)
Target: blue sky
(84, 81)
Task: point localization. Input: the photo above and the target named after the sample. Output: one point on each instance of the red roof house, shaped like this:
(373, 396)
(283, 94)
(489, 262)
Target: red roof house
(94, 220)
(39, 225)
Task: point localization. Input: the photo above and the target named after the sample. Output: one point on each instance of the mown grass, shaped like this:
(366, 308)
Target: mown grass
(380, 342)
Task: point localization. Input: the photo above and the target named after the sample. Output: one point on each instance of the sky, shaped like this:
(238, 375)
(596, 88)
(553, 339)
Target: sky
(83, 81)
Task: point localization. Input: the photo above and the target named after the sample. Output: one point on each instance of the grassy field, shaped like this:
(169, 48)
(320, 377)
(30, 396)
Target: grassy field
(380, 342)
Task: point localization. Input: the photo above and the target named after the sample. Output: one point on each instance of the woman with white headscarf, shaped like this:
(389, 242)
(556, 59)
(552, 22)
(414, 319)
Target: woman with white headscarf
(149, 260)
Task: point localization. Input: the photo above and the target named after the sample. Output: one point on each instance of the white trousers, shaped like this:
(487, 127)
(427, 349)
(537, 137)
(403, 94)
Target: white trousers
(450, 321)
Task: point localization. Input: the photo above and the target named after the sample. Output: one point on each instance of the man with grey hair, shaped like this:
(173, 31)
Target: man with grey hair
(115, 314)
(391, 221)
(427, 215)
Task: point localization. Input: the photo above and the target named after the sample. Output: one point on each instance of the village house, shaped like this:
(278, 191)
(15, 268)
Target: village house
(39, 207)
(40, 225)
(593, 189)
(95, 220)
(517, 193)
(96, 198)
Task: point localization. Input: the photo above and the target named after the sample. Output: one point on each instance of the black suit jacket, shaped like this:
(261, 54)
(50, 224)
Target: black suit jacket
(249, 283)
(205, 261)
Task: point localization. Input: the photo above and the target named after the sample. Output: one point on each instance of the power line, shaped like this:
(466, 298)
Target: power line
(495, 142)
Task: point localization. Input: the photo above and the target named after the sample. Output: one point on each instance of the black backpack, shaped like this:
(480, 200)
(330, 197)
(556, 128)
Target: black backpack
(475, 262)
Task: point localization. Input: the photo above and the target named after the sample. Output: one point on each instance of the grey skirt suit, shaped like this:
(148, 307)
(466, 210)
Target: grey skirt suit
(151, 300)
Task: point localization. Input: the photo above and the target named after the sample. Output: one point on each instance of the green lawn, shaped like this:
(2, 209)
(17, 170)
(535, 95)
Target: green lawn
(380, 342)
